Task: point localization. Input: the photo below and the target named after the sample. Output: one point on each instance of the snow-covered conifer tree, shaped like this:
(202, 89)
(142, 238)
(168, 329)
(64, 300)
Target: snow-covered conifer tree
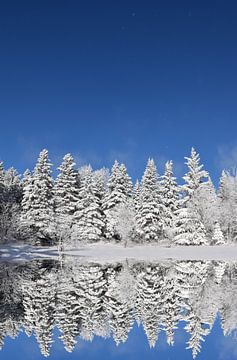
(88, 222)
(227, 195)
(204, 204)
(124, 219)
(188, 229)
(66, 191)
(37, 204)
(169, 199)
(118, 191)
(148, 213)
(218, 237)
(195, 176)
(136, 195)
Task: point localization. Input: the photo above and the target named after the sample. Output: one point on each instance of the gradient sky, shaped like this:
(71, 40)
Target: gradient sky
(119, 79)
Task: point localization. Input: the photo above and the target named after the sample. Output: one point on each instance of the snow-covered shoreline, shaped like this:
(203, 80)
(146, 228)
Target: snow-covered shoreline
(114, 252)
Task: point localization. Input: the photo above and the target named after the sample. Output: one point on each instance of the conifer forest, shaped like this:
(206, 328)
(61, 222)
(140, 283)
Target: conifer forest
(81, 206)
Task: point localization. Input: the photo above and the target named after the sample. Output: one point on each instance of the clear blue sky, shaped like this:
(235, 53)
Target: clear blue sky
(119, 79)
(216, 347)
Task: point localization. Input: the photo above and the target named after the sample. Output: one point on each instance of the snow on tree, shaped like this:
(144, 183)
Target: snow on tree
(169, 199)
(88, 222)
(66, 189)
(124, 219)
(118, 191)
(228, 204)
(136, 195)
(195, 176)
(148, 213)
(188, 229)
(101, 178)
(37, 204)
(13, 188)
(218, 237)
(10, 206)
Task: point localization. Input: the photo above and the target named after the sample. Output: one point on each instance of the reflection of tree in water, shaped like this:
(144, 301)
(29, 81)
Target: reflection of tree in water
(87, 300)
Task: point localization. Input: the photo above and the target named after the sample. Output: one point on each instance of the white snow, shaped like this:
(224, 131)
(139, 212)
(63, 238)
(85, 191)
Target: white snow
(111, 253)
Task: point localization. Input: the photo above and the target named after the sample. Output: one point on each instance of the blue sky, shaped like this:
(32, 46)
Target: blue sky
(119, 79)
(215, 347)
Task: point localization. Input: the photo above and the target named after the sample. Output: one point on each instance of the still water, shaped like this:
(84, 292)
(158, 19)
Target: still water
(130, 310)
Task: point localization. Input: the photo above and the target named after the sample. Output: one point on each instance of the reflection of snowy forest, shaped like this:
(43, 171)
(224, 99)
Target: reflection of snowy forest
(87, 206)
(84, 300)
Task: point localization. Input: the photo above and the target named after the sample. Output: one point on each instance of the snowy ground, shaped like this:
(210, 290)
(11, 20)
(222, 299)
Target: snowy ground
(112, 253)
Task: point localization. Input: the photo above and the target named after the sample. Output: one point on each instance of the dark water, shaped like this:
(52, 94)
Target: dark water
(131, 310)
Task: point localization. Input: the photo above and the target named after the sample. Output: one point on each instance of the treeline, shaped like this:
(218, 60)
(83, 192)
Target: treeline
(83, 205)
(84, 301)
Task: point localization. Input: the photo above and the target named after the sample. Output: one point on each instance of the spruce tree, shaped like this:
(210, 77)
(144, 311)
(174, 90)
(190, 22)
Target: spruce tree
(188, 229)
(148, 213)
(169, 199)
(118, 191)
(218, 237)
(195, 176)
(88, 222)
(66, 189)
(37, 204)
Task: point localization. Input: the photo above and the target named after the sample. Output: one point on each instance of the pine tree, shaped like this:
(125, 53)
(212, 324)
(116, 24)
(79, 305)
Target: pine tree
(66, 189)
(148, 213)
(136, 195)
(13, 188)
(118, 191)
(88, 222)
(205, 204)
(196, 176)
(188, 229)
(37, 204)
(218, 237)
(227, 195)
(169, 199)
